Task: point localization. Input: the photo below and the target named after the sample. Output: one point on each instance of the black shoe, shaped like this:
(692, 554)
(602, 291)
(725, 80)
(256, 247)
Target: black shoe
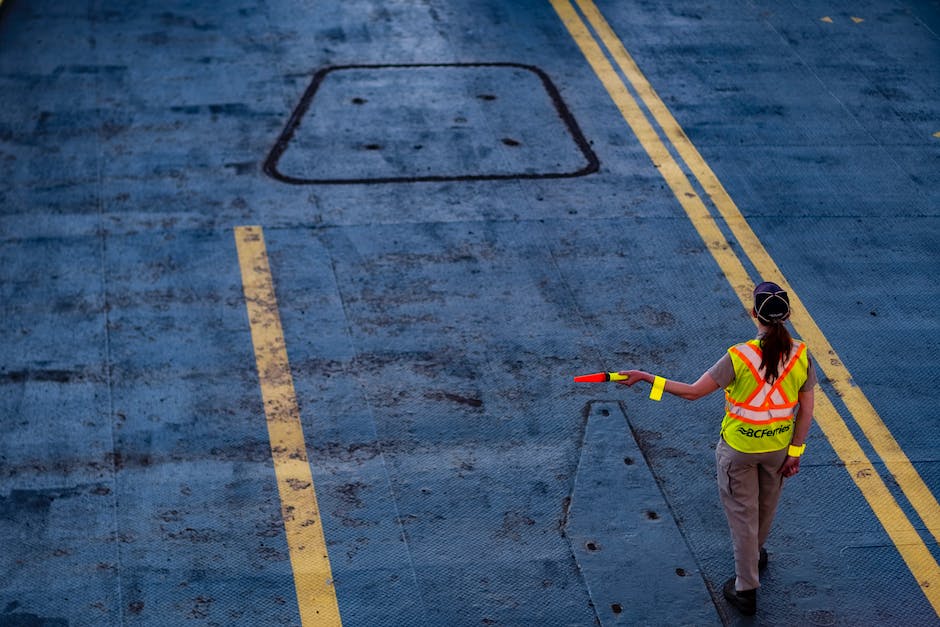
(762, 561)
(744, 600)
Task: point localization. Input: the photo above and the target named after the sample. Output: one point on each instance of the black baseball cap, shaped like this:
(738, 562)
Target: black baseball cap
(771, 303)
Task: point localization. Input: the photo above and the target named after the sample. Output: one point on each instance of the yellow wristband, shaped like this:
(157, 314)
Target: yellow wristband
(659, 384)
(796, 451)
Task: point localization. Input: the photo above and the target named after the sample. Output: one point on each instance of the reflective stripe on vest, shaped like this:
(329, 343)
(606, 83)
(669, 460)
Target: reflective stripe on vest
(767, 403)
(759, 414)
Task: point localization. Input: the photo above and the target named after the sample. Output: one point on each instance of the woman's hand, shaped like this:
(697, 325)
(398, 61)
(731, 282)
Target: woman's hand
(634, 376)
(791, 466)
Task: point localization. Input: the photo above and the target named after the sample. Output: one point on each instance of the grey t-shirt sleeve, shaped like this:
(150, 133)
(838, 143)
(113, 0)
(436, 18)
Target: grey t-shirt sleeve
(811, 380)
(723, 373)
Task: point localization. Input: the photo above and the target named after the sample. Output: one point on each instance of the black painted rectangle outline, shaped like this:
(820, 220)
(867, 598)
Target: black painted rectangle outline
(281, 145)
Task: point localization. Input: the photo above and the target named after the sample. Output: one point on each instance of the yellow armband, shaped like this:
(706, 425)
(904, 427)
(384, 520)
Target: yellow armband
(659, 384)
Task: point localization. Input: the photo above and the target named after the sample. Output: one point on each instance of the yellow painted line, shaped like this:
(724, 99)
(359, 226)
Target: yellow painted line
(905, 537)
(707, 229)
(310, 562)
(862, 411)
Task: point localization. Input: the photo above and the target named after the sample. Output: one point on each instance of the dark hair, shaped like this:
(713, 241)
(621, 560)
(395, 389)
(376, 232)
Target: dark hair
(772, 308)
(775, 347)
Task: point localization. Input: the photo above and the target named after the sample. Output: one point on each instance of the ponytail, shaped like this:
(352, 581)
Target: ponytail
(775, 347)
(772, 308)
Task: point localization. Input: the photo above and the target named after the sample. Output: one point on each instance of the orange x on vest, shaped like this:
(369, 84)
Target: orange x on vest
(767, 402)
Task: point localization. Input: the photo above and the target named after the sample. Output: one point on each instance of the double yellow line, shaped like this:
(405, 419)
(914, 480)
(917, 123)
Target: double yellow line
(602, 47)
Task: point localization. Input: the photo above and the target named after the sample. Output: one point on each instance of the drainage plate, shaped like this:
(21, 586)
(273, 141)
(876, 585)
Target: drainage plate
(435, 122)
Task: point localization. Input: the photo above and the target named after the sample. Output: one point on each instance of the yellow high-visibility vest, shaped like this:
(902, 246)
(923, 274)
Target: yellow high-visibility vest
(759, 415)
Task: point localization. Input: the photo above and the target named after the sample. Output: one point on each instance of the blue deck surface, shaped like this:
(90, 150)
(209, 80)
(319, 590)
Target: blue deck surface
(458, 220)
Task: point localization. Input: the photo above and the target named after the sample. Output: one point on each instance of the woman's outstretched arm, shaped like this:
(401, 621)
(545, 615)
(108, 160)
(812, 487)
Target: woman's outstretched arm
(703, 387)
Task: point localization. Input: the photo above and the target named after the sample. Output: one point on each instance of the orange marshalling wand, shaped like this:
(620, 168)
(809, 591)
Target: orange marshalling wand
(600, 377)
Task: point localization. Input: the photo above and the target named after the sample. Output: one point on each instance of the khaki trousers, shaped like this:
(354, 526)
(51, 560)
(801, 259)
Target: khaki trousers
(749, 486)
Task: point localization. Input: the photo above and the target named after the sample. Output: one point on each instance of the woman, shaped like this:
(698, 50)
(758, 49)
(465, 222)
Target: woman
(768, 385)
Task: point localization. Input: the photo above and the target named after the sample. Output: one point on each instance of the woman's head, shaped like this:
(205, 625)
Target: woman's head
(772, 308)
(771, 304)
